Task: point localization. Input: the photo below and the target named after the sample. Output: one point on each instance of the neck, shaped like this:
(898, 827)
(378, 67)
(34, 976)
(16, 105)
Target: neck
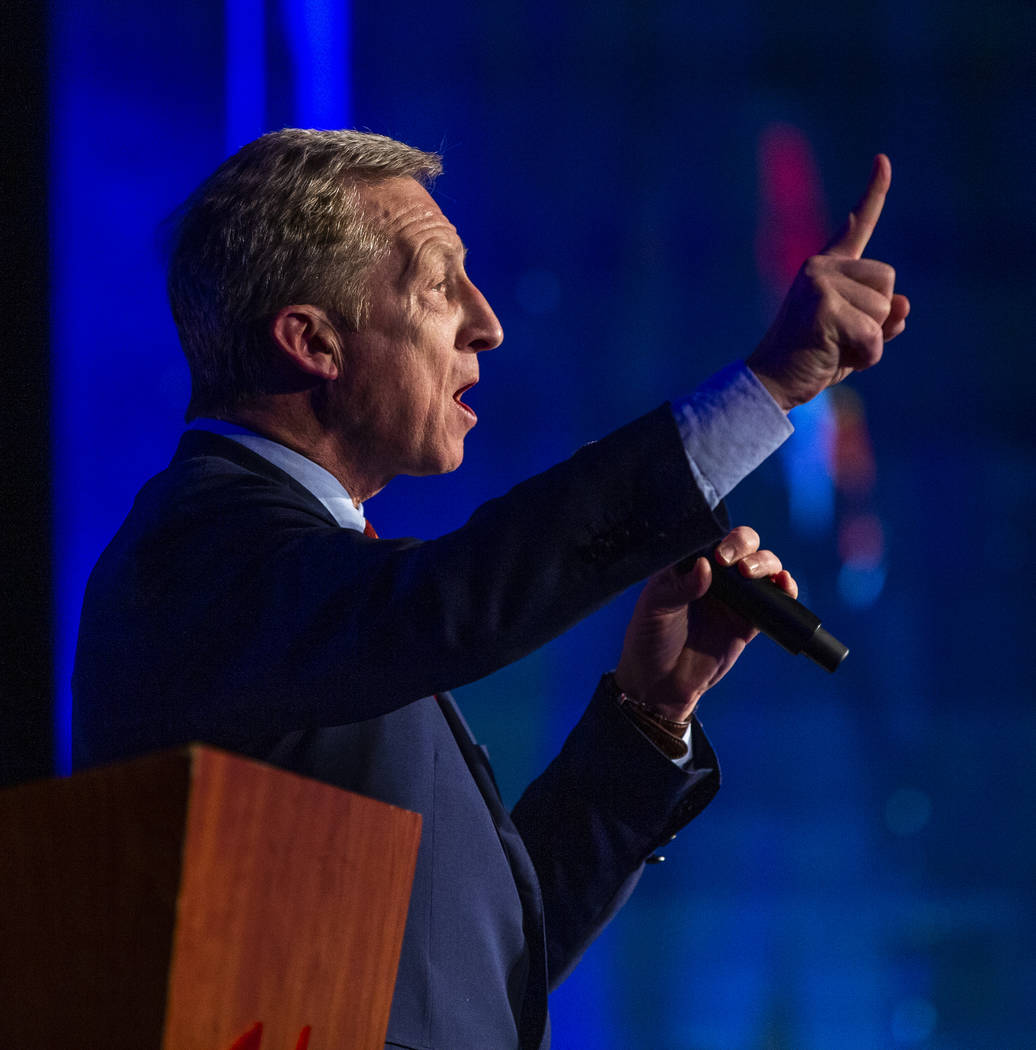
(293, 426)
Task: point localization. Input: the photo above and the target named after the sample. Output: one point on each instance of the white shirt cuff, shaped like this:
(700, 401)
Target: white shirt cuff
(729, 425)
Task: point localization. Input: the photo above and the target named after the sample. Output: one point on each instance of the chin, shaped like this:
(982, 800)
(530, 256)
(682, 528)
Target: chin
(449, 465)
(443, 462)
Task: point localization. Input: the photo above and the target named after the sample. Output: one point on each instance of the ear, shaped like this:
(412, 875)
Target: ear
(306, 337)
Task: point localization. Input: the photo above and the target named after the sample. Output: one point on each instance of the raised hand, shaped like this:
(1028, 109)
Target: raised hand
(840, 311)
(680, 641)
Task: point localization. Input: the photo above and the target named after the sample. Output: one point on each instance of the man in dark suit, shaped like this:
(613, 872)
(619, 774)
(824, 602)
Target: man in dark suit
(332, 332)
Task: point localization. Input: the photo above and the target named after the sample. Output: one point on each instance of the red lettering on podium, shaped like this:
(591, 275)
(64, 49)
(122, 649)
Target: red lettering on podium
(251, 1039)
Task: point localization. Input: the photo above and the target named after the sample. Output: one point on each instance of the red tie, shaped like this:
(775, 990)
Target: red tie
(368, 530)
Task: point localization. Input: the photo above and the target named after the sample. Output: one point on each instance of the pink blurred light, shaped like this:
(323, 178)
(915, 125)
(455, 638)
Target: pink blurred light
(792, 219)
(852, 455)
(861, 541)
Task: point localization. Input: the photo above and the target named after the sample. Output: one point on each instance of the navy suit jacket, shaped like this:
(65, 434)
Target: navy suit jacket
(230, 608)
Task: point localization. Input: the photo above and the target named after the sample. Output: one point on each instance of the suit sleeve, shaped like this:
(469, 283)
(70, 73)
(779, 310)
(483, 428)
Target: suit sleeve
(606, 803)
(228, 608)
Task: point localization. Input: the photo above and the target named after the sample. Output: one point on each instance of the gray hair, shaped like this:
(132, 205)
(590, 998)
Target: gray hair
(280, 222)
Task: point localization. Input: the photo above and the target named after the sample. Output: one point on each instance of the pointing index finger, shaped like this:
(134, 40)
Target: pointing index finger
(851, 240)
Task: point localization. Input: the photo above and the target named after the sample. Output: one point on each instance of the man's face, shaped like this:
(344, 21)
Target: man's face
(403, 374)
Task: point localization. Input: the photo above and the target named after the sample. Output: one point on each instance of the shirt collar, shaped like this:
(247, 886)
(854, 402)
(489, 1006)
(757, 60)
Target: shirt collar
(320, 482)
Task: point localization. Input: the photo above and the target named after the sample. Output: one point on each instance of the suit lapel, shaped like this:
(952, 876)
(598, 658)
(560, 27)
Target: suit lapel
(533, 1021)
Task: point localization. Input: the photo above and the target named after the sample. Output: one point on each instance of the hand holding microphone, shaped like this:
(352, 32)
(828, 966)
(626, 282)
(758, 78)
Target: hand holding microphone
(677, 646)
(776, 613)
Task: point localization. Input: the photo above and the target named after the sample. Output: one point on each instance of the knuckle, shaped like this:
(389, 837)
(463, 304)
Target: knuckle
(830, 300)
(886, 278)
(874, 344)
(815, 267)
(865, 331)
(881, 307)
(826, 304)
(879, 275)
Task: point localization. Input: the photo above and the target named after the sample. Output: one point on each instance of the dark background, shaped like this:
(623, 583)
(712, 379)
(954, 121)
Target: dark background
(635, 183)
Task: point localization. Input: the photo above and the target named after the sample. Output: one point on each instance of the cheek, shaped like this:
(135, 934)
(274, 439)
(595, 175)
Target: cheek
(412, 393)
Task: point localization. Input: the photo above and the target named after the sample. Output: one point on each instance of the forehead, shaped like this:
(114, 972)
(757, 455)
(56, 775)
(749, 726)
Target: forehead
(407, 213)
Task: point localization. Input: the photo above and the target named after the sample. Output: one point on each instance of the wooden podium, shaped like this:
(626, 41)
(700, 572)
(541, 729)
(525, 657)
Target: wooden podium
(171, 902)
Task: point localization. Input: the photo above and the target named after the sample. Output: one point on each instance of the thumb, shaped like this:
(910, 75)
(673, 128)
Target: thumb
(852, 238)
(673, 589)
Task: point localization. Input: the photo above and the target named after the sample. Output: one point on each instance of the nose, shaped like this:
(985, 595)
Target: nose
(481, 330)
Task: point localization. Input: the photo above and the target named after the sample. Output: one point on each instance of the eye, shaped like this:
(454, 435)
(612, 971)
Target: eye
(440, 286)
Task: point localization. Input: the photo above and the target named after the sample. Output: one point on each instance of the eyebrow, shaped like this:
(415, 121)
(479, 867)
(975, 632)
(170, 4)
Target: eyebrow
(438, 247)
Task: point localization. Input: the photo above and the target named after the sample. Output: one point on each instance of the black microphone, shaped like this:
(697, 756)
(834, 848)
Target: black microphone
(787, 621)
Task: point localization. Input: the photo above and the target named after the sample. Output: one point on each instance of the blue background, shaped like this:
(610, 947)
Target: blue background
(866, 876)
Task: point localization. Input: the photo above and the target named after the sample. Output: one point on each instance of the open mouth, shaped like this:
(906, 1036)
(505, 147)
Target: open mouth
(458, 395)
